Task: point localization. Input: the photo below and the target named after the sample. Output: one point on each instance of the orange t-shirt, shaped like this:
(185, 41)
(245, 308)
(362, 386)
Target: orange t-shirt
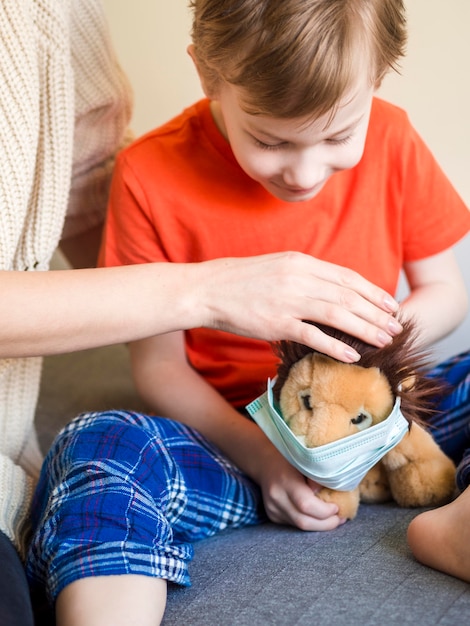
(179, 195)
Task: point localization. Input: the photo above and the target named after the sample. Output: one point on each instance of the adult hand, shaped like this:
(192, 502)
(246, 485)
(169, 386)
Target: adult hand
(271, 296)
(266, 297)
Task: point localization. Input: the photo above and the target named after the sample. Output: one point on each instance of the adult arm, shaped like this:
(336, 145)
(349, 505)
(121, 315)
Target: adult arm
(65, 310)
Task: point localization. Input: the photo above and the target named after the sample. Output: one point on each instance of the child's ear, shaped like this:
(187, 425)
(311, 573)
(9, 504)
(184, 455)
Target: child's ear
(209, 93)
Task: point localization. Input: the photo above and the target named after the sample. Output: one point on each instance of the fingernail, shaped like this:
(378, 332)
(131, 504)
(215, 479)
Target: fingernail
(383, 338)
(351, 355)
(391, 304)
(395, 327)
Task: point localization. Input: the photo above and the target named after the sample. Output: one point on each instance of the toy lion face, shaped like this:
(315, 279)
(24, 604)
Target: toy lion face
(323, 400)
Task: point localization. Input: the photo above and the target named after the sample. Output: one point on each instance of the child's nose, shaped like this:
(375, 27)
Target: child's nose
(305, 170)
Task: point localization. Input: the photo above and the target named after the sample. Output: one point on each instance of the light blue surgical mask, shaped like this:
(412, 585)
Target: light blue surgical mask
(340, 465)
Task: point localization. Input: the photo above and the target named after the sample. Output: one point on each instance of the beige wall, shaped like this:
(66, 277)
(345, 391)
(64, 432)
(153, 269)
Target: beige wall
(151, 37)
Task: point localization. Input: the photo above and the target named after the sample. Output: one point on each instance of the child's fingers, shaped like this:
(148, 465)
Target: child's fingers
(296, 504)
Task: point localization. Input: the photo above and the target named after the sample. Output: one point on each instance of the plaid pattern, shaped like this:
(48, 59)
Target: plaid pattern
(450, 427)
(125, 493)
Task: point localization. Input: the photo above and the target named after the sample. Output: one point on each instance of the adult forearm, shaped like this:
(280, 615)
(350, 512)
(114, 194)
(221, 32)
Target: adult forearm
(66, 310)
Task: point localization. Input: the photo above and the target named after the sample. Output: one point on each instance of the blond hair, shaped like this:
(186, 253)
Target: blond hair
(293, 58)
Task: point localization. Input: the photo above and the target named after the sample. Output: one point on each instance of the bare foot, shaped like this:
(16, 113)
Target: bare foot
(440, 538)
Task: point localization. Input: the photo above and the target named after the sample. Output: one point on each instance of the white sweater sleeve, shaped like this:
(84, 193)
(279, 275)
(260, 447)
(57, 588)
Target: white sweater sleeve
(103, 106)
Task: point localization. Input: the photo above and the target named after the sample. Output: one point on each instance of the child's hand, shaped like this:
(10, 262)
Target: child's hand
(289, 498)
(269, 296)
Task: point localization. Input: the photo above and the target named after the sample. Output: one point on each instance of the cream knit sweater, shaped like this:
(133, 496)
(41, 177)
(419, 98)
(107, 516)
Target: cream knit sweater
(64, 109)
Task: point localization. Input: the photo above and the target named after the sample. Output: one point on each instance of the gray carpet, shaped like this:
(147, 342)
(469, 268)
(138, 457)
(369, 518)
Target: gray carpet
(359, 574)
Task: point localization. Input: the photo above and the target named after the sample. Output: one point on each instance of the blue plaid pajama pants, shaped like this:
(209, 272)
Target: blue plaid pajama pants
(124, 493)
(450, 426)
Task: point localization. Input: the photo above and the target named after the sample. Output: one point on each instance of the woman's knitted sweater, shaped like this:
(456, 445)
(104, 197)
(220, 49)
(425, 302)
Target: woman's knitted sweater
(64, 109)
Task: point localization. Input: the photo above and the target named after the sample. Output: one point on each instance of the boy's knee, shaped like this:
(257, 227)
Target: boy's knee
(106, 435)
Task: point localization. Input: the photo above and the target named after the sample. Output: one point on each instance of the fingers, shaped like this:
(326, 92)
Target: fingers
(353, 283)
(299, 506)
(308, 523)
(337, 297)
(341, 298)
(312, 336)
(351, 313)
(317, 516)
(270, 297)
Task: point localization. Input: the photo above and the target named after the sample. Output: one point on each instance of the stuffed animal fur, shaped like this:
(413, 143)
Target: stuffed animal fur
(323, 400)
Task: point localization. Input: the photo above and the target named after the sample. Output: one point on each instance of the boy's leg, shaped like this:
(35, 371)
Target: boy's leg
(440, 538)
(118, 600)
(450, 425)
(124, 494)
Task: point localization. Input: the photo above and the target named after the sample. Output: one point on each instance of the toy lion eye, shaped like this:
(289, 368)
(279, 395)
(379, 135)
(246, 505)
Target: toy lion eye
(359, 419)
(362, 420)
(306, 401)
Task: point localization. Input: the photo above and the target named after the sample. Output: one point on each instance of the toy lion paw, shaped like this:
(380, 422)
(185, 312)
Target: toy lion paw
(374, 486)
(419, 473)
(347, 501)
(423, 483)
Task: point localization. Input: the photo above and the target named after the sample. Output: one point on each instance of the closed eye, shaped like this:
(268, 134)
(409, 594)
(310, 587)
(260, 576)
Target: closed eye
(269, 146)
(337, 141)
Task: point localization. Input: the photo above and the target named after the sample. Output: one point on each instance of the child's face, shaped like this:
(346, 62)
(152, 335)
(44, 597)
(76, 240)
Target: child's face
(293, 159)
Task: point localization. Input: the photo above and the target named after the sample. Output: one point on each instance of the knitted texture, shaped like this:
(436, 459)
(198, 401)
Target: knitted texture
(64, 108)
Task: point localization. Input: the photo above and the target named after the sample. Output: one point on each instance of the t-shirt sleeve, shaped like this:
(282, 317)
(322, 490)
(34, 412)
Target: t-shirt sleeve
(434, 215)
(130, 236)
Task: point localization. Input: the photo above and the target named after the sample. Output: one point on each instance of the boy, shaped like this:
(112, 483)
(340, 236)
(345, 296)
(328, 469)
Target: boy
(290, 150)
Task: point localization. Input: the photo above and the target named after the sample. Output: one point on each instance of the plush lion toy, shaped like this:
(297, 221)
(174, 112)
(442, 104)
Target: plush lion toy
(323, 400)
